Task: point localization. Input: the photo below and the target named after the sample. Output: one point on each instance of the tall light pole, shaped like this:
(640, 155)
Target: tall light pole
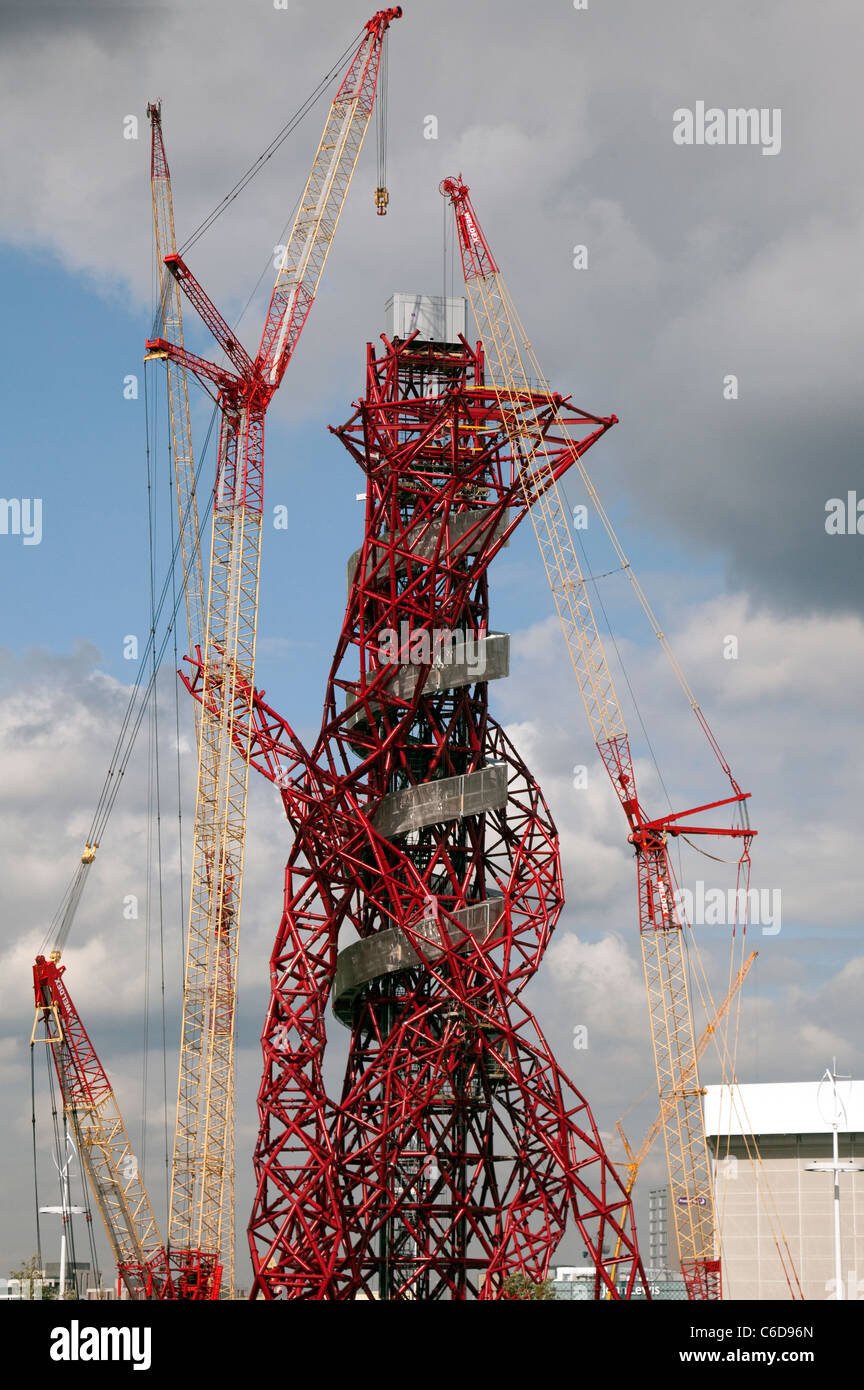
(835, 1167)
(64, 1211)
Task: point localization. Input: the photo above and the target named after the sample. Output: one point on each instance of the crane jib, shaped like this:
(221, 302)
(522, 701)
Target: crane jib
(314, 231)
(664, 963)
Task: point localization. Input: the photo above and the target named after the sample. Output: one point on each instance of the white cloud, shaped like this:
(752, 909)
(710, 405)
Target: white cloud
(603, 982)
(696, 265)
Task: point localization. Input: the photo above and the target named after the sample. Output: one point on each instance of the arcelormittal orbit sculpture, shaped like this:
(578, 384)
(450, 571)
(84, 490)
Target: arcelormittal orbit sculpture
(421, 890)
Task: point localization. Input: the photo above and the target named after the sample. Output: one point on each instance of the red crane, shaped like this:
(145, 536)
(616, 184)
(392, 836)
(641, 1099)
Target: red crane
(514, 369)
(202, 1188)
(197, 1259)
(100, 1134)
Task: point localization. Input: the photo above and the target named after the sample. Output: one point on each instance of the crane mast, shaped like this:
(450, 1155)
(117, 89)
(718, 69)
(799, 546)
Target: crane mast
(635, 1161)
(512, 363)
(171, 322)
(88, 1098)
(202, 1198)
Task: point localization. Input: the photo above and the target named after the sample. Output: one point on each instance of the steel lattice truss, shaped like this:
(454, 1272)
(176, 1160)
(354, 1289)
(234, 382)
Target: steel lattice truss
(458, 1149)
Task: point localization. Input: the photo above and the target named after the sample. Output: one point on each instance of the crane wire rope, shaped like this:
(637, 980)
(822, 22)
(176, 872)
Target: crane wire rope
(162, 994)
(739, 1107)
(62, 919)
(135, 709)
(590, 578)
(515, 383)
(148, 857)
(65, 1159)
(180, 869)
(88, 1221)
(35, 1157)
(62, 1154)
(154, 789)
(694, 955)
(381, 115)
(267, 154)
(695, 966)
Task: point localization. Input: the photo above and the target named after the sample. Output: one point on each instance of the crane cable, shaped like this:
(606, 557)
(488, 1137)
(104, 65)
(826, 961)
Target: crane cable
(738, 1105)
(614, 641)
(500, 390)
(61, 1152)
(63, 1159)
(182, 890)
(728, 1055)
(523, 343)
(88, 1221)
(35, 1159)
(61, 922)
(728, 1068)
(279, 139)
(382, 197)
(162, 994)
(154, 791)
(136, 706)
(780, 1239)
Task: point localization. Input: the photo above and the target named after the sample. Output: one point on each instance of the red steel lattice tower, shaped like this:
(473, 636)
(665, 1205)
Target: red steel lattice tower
(421, 890)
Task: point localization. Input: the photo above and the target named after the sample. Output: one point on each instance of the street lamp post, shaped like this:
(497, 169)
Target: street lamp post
(65, 1211)
(835, 1167)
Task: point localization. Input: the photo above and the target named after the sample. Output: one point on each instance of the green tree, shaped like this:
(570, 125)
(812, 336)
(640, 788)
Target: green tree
(522, 1286)
(32, 1270)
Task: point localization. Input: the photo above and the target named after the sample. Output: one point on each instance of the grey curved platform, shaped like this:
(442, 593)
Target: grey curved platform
(492, 653)
(447, 798)
(389, 951)
(458, 526)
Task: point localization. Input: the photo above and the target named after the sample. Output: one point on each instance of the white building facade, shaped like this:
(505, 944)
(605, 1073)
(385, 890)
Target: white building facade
(777, 1201)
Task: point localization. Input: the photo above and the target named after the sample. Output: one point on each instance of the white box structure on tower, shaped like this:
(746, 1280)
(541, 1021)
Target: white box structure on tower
(436, 318)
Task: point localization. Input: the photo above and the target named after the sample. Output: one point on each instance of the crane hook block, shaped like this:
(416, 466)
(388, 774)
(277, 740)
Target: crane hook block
(382, 198)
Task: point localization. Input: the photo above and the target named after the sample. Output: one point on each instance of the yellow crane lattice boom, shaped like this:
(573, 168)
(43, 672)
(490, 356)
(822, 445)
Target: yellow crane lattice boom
(523, 392)
(202, 1195)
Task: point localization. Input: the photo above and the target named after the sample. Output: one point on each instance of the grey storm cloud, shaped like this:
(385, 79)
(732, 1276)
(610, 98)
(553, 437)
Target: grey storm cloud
(109, 23)
(701, 261)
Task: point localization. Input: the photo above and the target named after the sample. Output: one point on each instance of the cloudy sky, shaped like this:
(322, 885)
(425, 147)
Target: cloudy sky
(703, 262)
